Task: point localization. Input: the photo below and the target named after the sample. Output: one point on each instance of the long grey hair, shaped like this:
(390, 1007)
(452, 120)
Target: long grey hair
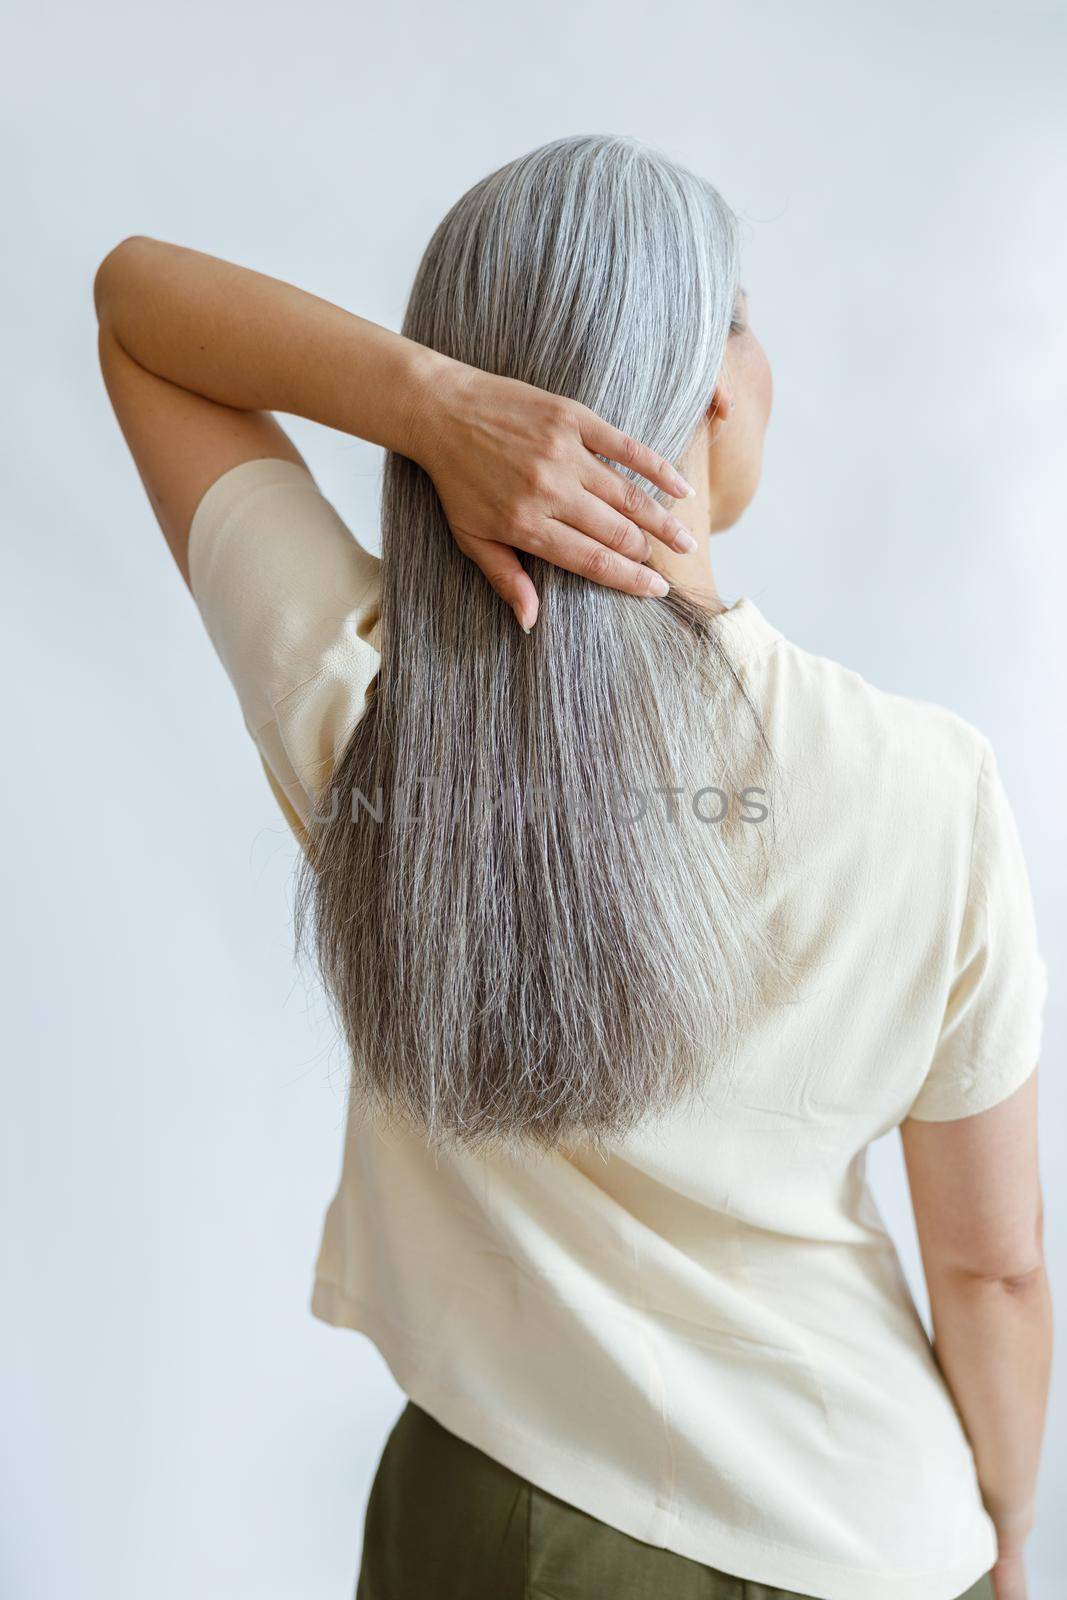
(529, 922)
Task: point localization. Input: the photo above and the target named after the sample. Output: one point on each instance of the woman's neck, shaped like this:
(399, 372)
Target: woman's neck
(692, 571)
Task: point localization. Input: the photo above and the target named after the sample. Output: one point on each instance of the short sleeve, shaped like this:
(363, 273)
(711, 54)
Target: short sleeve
(990, 1038)
(290, 602)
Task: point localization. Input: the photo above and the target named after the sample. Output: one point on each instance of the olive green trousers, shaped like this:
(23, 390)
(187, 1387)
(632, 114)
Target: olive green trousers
(447, 1522)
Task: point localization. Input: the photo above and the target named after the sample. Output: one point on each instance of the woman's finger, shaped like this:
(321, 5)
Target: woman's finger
(507, 576)
(563, 546)
(638, 507)
(592, 516)
(601, 437)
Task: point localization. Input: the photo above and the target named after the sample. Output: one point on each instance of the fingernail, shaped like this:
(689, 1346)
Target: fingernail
(685, 490)
(524, 628)
(684, 541)
(658, 586)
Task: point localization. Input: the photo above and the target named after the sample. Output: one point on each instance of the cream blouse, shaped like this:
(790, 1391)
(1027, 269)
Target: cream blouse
(706, 1339)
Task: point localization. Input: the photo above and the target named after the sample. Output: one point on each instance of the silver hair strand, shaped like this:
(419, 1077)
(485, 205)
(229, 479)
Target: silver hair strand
(542, 965)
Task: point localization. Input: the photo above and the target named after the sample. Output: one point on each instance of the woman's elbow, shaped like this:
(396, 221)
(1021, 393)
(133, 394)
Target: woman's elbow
(110, 271)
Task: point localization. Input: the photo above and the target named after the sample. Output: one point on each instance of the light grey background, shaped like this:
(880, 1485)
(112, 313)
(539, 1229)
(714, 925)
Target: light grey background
(174, 1422)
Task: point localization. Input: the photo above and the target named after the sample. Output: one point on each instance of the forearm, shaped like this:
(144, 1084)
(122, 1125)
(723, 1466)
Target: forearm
(993, 1341)
(257, 344)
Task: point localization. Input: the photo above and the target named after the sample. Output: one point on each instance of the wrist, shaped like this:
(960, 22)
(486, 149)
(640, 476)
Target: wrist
(431, 391)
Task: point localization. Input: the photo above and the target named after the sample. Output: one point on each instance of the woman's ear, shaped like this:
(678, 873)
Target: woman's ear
(719, 411)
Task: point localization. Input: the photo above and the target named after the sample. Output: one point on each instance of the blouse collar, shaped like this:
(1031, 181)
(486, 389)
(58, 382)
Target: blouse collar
(745, 629)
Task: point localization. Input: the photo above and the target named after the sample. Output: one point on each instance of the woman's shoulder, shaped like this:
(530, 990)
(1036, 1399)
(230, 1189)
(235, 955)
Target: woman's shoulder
(290, 601)
(837, 716)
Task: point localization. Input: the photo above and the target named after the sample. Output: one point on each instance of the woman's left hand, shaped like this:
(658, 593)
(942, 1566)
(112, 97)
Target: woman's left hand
(517, 468)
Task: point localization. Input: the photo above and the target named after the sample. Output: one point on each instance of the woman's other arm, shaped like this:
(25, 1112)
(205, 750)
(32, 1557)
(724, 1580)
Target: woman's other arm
(197, 353)
(976, 1194)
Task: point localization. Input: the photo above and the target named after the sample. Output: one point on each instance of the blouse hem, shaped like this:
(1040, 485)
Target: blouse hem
(566, 1476)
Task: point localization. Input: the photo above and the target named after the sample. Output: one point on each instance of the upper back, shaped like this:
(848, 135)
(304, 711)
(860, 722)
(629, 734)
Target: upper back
(894, 882)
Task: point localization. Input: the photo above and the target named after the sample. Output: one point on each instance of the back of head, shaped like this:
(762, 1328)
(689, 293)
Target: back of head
(533, 938)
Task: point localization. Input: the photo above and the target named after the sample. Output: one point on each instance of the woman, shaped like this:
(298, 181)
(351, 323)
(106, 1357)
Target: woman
(640, 921)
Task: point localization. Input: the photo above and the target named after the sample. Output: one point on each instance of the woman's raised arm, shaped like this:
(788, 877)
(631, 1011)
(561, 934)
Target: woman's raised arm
(197, 353)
